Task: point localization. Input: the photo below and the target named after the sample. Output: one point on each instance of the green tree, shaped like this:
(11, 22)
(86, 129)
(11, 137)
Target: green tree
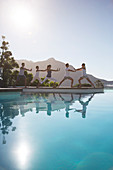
(7, 62)
(13, 77)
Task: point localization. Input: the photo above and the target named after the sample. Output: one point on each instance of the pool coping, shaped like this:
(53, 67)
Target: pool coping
(64, 90)
(53, 90)
(11, 90)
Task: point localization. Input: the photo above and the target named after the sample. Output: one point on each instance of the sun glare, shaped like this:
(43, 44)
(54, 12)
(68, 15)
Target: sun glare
(22, 17)
(22, 154)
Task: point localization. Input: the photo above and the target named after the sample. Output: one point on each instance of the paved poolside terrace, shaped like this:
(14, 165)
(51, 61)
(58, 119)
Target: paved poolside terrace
(53, 90)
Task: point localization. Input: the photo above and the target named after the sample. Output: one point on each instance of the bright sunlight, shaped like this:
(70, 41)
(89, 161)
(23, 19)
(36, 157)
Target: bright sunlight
(21, 17)
(23, 152)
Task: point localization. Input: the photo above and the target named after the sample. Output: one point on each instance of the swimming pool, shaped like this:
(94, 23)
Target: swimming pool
(56, 131)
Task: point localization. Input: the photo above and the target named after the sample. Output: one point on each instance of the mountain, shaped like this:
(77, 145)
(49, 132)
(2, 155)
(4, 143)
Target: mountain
(59, 75)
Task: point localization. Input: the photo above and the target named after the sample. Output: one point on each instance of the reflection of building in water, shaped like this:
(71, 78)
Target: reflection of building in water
(84, 105)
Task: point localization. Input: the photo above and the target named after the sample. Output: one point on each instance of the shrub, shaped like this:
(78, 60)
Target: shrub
(83, 85)
(99, 84)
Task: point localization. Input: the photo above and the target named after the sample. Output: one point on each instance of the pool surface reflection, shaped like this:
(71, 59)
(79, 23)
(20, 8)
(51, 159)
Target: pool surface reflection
(56, 131)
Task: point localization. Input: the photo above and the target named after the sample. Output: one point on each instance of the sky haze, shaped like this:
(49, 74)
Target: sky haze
(73, 31)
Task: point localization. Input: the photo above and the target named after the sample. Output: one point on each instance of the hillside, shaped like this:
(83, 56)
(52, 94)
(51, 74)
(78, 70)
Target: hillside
(58, 75)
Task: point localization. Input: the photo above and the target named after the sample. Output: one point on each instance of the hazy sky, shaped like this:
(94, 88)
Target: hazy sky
(73, 31)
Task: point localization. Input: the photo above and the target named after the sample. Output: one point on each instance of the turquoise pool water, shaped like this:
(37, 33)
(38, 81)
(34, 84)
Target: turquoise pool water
(56, 131)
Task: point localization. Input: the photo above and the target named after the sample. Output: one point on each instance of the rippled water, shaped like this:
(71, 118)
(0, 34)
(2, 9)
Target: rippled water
(56, 131)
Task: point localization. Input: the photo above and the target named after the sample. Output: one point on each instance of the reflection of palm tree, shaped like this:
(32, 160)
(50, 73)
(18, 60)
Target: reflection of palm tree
(67, 104)
(84, 105)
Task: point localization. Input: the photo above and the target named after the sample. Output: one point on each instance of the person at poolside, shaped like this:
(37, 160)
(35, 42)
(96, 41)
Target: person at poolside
(49, 72)
(37, 76)
(67, 75)
(84, 75)
(21, 73)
